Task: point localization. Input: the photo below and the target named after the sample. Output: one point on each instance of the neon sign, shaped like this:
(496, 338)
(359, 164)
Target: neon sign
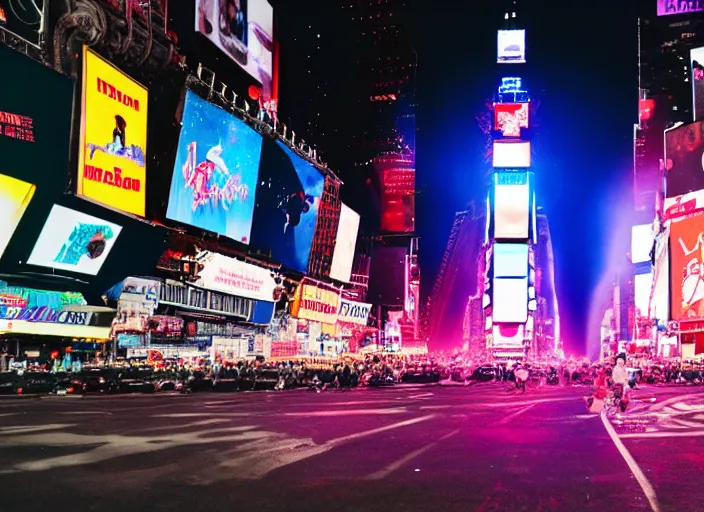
(16, 126)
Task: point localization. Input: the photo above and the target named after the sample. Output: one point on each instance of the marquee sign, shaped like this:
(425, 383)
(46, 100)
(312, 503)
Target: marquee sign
(353, 312)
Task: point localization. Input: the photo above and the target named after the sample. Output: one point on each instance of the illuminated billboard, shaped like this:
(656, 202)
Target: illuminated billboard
(74, 241)
(509, 118)
(215, 174)
(684, 150)
(669, 7)
(643, 284)
(510, 260)
(511, 211)
(660, 303)
(345, 244)
(686, 204)
(288, 192)
(687, 256)
(244, 31)
(398, 200)
(510, 301)
(696, 56)
(511, 46)
(15, 196)
(511, 155)
(113, 137)
(641, 242)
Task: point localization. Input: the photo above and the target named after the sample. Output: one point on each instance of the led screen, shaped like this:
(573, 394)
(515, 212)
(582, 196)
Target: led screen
(74, 241)
(508, 334)
(660, 304)
(510, 302)
(15, 196)
(509, 118)
(113, 137)
(510, 260)
(243, 30)
(511, 154)
(215, 174)
(641, 242)
(345, 244)
(643, 284)
(669, 7)
(696, 56)
(511, 209)
(684, 149)
(511, 46)
(286, 210)
(398, 200)
(687, 284)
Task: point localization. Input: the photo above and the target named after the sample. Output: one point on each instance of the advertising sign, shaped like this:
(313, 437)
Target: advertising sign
(345, 244)
(15, 196)
(509, 118)
(510, 260)
(511, 47)
(136, 304)
(510, 302)
(288, 199)
(511, 154)
(641, 242)
(669, 7)
(643, 284)
(660, 302)
(511, 209)
(696, 56)
(687, 272)
(113, 140)
(684, 150)
(686, 204)
(352, 312)
(31, 305)
(317, 304)
(216, 169)
(74, 241)
(398, 201)
(234, 277)
(243, 30)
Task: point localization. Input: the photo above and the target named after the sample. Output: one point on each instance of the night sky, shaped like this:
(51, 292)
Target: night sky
(582, 69)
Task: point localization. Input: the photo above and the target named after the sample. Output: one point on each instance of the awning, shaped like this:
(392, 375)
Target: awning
(54, 329)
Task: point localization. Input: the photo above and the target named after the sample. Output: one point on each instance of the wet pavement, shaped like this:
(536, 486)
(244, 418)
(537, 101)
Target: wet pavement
(483, 448)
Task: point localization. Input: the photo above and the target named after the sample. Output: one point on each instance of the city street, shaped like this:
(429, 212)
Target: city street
(406, 448)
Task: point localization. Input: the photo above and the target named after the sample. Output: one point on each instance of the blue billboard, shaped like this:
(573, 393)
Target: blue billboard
(288, 198)
(215, 173)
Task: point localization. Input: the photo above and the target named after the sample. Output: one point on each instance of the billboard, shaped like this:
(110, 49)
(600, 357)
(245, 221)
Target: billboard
(684, 149)
(687, 285)
(352, 312)
(511, 46)
(511, 211)
(641, 242)
(686, 204)
(660, 303)
(215, 172)
(510, 301)
(643, 284)
(398, 200)
(509, 118)
(669, 7)
(15, 196)
(74, 241)
(510, 260)
(113, 140)
(286, 211)
(317, 304)
(387, 276)
(345, 244)
(234, 277)
(696, 56)
(244, 31)
(511, 154)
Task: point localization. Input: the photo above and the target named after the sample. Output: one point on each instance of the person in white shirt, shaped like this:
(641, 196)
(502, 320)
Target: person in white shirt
(619, 375)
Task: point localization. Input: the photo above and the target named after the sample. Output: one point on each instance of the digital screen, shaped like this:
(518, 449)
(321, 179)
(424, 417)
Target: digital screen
(398, 200)
(696, 56)
(387, 276)
(243, 30)
(508, 334)
(345, 244)
(509, 118)
(511, 211)
(669, 7)
(641, 243)
(511, 154)
(510, 302)
(684, 149)
(687, 271)
(215, 174)
(288, 196)
(511, 47)
(113, 139)
(686, 204)
(643, 284)
(74, 241)
(510, 260)
(15, 196)
(660, 304)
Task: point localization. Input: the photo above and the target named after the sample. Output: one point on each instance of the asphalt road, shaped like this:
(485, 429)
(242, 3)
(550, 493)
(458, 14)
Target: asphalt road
(406, 448)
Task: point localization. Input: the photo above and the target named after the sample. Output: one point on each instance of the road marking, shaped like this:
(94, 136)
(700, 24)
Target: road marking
(348, 412)
(367, 433)
(529, 402)
(632, 464)
(646, 435)
(395, 466)
(422, 395)
(82, 413)
(510, 417)
(673, 400)
(26, 429)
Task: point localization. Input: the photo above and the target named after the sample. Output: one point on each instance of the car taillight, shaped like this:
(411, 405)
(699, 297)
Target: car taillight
(69, 390)
(19, 391)
(101, 380)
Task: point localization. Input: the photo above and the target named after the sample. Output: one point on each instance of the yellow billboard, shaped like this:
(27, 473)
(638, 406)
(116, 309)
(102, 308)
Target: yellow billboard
(15, 196)
(113, 143)
(316, 304)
